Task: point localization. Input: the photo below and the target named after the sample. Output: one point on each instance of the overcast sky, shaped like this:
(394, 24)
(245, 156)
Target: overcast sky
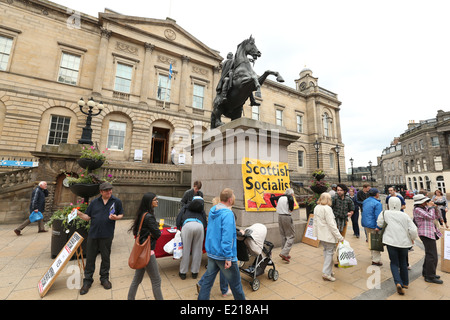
(388, 61)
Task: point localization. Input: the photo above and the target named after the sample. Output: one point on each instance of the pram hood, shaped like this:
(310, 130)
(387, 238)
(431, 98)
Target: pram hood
(255, 242)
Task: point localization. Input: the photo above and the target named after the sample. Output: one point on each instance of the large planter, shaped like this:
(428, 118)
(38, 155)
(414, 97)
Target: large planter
(319, 176)
(90, 164)
(318, 189)
(85, 191)
(60, 238)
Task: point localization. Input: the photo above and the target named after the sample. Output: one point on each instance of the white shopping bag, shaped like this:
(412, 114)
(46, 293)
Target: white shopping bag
(177, 246)
(346, 255)
(168, 247)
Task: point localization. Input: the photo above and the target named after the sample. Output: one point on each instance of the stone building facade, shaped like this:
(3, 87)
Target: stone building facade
(391, 167)
(426, 155)
(155, 80)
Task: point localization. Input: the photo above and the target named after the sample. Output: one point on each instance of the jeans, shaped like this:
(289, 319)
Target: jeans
(155, 278)
(399, 264)
(223, 282)
(355, 223)
(232, 275)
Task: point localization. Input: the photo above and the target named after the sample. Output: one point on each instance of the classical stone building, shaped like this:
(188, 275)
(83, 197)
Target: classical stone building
(426, 155)
(392, 167)
(155, 80)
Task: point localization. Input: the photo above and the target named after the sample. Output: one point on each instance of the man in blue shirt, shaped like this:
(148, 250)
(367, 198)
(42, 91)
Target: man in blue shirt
(393, 193)
(220, 245)
(103, 213)
(371, 209)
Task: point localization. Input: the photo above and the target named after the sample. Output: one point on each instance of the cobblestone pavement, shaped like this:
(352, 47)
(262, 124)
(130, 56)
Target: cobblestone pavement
(25, 259)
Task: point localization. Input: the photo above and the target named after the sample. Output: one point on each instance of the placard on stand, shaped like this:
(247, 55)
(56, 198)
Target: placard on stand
(73, 246)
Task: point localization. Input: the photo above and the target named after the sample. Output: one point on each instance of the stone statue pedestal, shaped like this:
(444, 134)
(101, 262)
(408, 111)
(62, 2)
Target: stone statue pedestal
(217, 163)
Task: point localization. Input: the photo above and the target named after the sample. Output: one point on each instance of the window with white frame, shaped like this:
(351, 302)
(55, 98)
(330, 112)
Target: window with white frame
(331, 160)
(124, 75)
(299, 123)
(438, 163)
(300, 158)
(326, 125)
(59, 130)
(435, 141)
(5, 51)
(199, 96)
(255, 112)
(116, 135)
(163, 88)
(279, 117)
(69, 68)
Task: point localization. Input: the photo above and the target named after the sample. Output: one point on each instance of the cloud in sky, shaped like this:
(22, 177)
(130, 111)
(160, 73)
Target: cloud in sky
(388, 61)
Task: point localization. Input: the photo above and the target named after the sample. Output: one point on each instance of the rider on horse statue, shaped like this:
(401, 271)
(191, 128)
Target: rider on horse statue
(237, 83)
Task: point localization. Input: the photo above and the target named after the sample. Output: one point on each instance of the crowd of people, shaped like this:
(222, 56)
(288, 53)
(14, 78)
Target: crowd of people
(218, 233)
(399, 230)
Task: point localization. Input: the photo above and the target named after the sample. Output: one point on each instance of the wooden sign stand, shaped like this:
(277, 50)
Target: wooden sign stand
(73, 246)
(308, 237)
(445, 250)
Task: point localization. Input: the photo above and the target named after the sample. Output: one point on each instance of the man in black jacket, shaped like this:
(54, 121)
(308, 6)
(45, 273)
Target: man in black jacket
(191, 193)
(38, 205)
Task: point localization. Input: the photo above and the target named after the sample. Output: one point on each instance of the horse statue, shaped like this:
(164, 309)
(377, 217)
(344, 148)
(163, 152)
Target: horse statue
(237, 83)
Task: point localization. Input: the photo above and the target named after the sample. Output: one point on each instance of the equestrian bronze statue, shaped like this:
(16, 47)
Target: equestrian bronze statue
(238, 82)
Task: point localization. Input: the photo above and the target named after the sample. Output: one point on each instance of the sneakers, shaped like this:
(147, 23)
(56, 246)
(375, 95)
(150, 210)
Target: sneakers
(285, 258)
(434, 280)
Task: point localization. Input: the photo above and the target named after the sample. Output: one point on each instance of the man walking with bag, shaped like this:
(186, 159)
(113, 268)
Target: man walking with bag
(371, 209)
(37, 205)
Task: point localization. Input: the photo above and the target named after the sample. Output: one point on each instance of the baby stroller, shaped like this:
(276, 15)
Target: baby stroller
(253, 243)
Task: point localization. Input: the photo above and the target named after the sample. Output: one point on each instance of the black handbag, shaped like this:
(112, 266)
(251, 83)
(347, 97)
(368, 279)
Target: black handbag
(376, 238)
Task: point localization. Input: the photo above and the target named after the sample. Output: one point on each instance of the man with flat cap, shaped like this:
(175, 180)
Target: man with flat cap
(103, 213)
(372, 207)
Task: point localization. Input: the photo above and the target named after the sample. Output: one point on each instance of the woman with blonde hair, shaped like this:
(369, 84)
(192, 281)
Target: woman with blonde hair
(325, 229)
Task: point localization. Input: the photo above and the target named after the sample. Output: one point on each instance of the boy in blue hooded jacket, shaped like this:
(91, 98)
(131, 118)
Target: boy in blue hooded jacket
(220, 245)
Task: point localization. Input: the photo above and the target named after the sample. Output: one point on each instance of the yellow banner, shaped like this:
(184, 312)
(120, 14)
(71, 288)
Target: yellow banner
(262, 179)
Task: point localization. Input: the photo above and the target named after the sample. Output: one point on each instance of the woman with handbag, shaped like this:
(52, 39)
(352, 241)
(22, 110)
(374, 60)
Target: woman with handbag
(399, 234)
(440, 200)
(424, 215)
(325, 229)
(145, 226)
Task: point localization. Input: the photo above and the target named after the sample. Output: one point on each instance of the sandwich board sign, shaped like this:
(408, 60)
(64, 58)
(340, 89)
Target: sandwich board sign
(308, 235)
(64, 256)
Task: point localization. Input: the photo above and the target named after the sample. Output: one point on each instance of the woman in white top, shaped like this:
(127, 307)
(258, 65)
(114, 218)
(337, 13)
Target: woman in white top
(398, 237)
(325, 229)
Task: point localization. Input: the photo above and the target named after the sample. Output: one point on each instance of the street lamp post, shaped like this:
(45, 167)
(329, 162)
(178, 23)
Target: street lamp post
(351, 163)
(370, 168)
(86, 136)
(317, 147)
(337, 149)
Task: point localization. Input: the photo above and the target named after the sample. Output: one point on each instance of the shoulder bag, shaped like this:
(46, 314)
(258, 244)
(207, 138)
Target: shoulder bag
(376, 238)
(140, 254)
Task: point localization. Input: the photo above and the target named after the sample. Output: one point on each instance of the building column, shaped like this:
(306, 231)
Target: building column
(101, 61)
(145, 83)
(183, 83)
